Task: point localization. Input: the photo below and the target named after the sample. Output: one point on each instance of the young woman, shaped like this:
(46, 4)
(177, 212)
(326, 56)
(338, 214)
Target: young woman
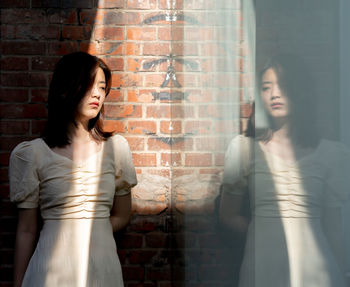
(297, 183)
(78, 177)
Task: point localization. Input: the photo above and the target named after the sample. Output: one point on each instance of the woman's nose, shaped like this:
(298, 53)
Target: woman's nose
(276, 92)
(95, 92)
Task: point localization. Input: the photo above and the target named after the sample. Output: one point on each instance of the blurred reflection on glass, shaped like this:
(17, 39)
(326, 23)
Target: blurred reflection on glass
(296, 180)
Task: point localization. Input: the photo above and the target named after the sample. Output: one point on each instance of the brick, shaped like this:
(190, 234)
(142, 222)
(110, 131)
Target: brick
(46, 3)
(141, 96)
(9, 143)
(198, 127)
(15, 111)
(126, 80)
(102, 48)
(154, 80)
(156, 239)
(217, 111)
(141, 34)
(166, 111)
(76, 32)
(115, 64)
(122, 111)
(142, 127)
(145, 4)
(24, 79)
(4, 175)
(105, 17)
(170, 127)
(8, 127)
(170, 159)
(62, 16)
(187, 49)
(131, 240)
(23, 16)
(4, 159)
(211, 144)
(108, 33)
(14, 3)
(40, 32)
(38, 126)
(62, 48)
(14, 63)
(39, 95)
(158, 274)
(133, 273)
(44, 63)
(110, 4)
(161, 172)
(220, 159)
(164, 4)
(23, 48)
(77, 4)
(136, 143)
(170, 33)
(157, 49)
(115, 96)
(162, 111)
(133, 49)
(114, 126)
(198, 159)
(13, 95)
(141, 256)
(144, 159)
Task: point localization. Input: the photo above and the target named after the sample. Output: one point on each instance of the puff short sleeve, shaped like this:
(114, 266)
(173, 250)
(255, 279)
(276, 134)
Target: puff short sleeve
(24, 181)
(125, 175)
(338, 177)
(236, 170)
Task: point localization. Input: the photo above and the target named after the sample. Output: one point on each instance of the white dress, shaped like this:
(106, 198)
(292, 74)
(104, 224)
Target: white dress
(76, 247)
(286, 243)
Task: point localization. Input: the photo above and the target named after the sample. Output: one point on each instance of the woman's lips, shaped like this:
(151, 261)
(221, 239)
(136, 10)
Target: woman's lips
(276, 105)
(94, 104)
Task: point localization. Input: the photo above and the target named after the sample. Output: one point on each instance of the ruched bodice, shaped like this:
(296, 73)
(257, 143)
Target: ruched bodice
(76, 247)
(284, 188)
(292, 205)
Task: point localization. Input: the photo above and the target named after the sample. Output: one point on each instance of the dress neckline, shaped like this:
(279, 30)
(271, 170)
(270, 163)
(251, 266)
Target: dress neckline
(290, 163)
(80, 163)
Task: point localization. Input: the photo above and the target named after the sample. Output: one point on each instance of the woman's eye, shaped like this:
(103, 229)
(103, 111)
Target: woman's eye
(264, 89)
(103, 88)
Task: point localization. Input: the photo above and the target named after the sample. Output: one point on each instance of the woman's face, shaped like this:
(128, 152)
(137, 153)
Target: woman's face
(91, 104)
(274, 99)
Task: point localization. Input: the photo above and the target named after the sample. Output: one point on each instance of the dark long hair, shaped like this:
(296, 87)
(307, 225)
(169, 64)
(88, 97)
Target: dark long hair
(296, 82)
(73, 77)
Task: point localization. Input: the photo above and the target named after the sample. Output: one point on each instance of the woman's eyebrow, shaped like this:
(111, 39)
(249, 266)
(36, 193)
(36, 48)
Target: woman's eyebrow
(101, 82)
(266, 82)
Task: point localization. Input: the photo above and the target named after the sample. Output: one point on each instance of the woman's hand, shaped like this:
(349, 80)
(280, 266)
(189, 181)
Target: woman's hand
(26, 236)
(121, 212)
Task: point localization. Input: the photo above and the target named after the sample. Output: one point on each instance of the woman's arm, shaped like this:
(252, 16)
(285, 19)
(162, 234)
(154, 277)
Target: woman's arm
(230, 212)
(26, 236)
(121, 212)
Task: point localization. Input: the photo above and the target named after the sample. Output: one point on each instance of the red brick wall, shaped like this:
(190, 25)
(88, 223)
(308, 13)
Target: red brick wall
(177, 130)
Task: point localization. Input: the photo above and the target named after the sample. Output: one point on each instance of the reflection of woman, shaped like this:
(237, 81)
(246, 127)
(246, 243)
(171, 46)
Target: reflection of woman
(80, 177)
(296, 184)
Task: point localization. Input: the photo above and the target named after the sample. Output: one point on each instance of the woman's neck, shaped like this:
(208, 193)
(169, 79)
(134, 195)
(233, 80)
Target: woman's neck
(281, 132)
(79, 133)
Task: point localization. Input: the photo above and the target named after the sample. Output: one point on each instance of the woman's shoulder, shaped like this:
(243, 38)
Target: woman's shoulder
(331, 148)
(241, 143)
(26, 147)
(118, 140)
